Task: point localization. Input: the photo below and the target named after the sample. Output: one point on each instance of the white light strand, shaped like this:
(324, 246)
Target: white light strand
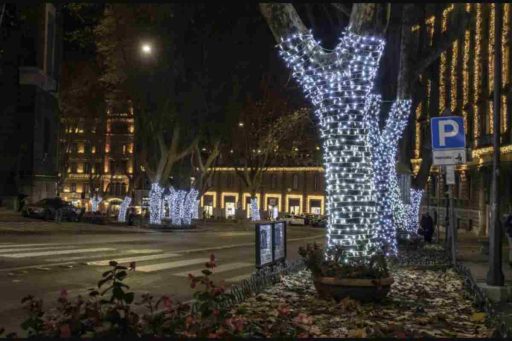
(195, 209)
(121, 216)
(255, 211)
(155, 204)
(337, 84)
(95, 202)
(189, 202)
(414, 211)
(384, 145)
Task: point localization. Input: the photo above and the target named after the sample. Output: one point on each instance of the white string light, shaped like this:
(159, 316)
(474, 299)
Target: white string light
(255, 212)
(189, 202)
(155, 204)
(384, 145)
(337, 84)
(414, 211)
(95, 202)
(121, 216)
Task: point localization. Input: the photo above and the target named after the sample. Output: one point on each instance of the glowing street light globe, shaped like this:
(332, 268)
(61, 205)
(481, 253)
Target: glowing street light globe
(146, 48)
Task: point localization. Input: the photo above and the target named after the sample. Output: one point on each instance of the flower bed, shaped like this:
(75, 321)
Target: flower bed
(422, 303)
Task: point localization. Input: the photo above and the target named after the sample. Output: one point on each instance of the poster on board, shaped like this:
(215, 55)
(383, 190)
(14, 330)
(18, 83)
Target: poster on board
(263, 244)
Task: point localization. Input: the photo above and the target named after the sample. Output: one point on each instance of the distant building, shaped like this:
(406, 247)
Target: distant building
(291, 189)
(30, 57)
(101, 157)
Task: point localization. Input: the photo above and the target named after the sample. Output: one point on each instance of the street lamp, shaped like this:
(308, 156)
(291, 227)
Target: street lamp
(146, 48)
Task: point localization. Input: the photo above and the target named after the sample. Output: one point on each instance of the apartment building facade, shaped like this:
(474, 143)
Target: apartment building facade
(100, 157)
(461, 83)
(30, 57)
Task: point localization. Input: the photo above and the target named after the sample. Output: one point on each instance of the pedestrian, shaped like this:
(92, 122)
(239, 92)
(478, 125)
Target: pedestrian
(427, 225)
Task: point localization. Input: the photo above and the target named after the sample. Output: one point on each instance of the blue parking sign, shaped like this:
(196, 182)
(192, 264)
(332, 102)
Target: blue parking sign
(448, 133)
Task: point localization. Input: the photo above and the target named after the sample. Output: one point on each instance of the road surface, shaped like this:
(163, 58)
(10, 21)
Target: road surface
(42, 258)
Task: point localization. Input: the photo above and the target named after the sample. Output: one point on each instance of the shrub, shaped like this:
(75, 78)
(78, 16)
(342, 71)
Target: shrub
(110, 311)
(333, 262)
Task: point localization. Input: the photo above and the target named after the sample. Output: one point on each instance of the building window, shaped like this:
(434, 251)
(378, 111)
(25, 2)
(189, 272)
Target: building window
(87, 167)
(73, 167)
(295, 181)
(229, 181)
(123, 188)
(73, 187)
(86, 188)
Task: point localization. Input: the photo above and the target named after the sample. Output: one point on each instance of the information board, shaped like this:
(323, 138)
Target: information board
(270, 243)
(263, 244)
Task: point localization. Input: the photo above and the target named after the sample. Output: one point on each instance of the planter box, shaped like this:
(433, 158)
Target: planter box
(364, 290)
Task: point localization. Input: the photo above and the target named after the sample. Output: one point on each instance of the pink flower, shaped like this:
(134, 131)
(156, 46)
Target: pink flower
(167, 302)
(64, 294)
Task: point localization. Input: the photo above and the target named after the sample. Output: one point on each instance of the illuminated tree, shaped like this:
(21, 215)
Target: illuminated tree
(384, 144)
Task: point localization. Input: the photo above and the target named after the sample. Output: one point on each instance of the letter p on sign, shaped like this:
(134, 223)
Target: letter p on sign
(447, 128)
(448, 133)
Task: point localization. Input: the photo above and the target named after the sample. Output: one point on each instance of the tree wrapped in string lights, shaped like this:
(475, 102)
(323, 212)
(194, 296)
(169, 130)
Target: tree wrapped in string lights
(121, 216)
(338, 83)
(95, 202)
(155, 203)
(414, 211)
(384, 144)
(255, 211)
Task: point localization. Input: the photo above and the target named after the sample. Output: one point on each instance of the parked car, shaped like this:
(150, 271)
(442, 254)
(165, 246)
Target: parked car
(310, 218)
(320, 222)
(46, 209)
(293, 219)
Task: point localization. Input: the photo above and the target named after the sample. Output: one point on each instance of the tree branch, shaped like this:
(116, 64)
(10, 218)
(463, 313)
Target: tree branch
(343, 8)
(283, 20)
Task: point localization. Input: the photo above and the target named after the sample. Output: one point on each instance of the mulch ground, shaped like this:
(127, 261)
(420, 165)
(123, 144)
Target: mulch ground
(421, 303)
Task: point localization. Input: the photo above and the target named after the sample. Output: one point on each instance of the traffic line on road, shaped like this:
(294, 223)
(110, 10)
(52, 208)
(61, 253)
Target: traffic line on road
(218, 269)
(55, 252)
(114, 254)
(6, 245)
(134, 259)
(170, 265)
(2, 251)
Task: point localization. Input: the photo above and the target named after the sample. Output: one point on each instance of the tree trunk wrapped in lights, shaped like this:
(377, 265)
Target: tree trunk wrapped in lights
(189, 206)
(414, 211)
(384, 145)
(338, 83)
(255, 211)
(121, 216)
(155, 204)
(95, 203)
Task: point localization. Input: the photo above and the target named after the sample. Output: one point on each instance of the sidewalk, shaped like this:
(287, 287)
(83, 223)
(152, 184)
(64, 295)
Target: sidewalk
(469, 254)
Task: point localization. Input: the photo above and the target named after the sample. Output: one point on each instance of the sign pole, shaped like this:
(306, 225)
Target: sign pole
(452, 225)
(495, 273)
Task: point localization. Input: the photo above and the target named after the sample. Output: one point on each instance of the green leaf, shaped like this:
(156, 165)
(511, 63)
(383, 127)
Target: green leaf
(206, 272)
(118, 293)
(121, 275)
(128, 297)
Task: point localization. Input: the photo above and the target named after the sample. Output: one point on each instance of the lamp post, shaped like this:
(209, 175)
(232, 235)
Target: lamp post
(495, 274)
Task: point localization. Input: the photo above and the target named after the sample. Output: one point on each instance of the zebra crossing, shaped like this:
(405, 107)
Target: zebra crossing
(57, 256)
